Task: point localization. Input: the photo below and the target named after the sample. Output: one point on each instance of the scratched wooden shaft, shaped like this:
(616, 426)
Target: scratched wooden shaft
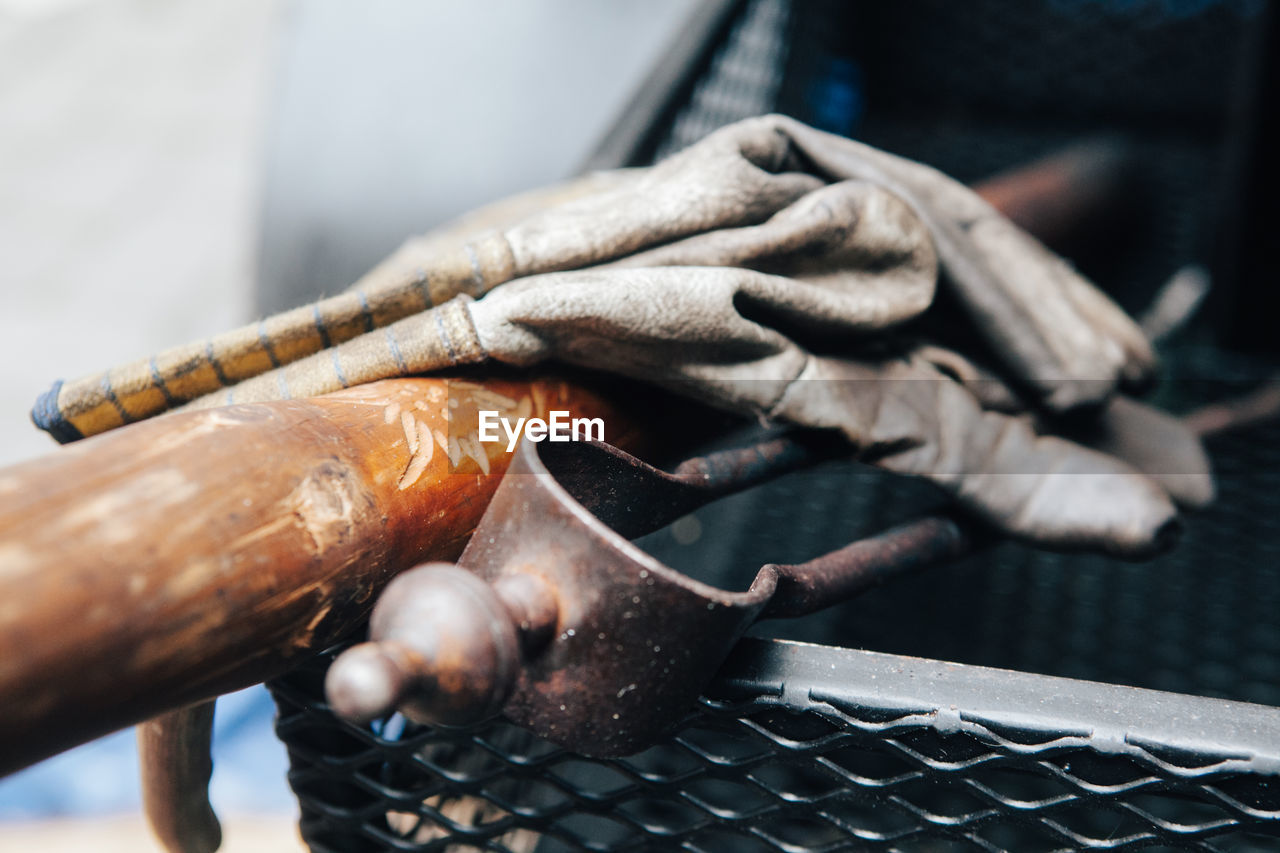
(197, 553)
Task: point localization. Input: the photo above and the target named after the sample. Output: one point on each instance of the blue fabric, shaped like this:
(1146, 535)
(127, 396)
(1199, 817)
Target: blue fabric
(249, 769)
(46, 415)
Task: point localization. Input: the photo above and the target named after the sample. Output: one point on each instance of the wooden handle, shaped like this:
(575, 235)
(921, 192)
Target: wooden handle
(198, 553)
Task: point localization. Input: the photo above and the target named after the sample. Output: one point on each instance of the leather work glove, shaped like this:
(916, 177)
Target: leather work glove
(738, 338)
(774, 270)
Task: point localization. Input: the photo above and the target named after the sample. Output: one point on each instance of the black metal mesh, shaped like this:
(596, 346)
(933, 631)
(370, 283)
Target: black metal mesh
(742, 80)
(766, 766)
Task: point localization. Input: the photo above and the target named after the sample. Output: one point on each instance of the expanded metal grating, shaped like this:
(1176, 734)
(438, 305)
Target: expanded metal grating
(742, 80)
(809, 748)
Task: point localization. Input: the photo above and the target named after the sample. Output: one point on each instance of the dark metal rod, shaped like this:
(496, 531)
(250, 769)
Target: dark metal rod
(834, 577)
(725, 472)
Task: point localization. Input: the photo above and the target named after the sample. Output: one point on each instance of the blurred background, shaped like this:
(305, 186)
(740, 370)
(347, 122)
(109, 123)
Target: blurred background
(170, 169)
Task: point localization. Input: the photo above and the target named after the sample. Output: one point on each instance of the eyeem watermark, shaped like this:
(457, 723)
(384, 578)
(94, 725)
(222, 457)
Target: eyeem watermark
(558, 427)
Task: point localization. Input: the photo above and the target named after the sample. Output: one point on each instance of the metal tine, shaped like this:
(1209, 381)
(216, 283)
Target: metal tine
(804, 588)
(635, 498)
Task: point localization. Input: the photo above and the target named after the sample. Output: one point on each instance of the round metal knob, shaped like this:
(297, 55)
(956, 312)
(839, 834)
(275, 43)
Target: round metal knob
(445, 647)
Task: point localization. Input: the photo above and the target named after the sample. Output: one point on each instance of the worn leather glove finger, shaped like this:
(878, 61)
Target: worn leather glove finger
(1152, 441)
(1052, 329)
(1156, 443)
(868, 253)
(908, 417)
(830, 236)
(988, 389)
